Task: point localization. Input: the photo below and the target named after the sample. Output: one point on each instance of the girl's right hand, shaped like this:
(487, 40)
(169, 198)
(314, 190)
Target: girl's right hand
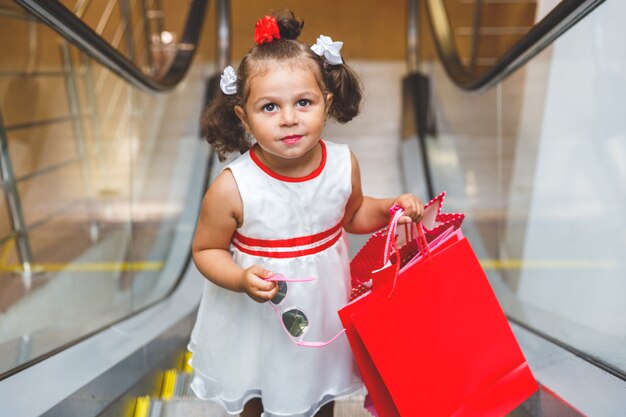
(257, 287)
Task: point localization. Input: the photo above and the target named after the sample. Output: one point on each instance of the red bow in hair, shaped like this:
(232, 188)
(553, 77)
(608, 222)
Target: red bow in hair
(266, 30)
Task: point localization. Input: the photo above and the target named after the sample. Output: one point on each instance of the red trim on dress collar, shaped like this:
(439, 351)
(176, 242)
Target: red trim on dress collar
(316, 172)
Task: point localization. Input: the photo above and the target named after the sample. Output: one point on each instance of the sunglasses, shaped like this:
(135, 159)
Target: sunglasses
(293, 320)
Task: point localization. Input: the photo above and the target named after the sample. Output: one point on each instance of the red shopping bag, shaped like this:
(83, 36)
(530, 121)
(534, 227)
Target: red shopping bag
(433, 340)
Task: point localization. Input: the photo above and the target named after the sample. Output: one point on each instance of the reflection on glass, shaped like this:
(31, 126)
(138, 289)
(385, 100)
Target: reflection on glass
(484, 31)
(138, 29)
(96, 182)
(537, 163)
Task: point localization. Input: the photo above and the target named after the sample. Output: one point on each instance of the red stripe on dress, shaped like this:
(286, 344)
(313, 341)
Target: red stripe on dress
(286, 243)
(292, 254)
(317, 171)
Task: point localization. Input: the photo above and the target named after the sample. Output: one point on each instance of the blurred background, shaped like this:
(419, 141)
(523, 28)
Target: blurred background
(513, 108)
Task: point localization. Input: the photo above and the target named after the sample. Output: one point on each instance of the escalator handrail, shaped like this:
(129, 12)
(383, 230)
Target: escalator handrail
(562, 17)
(72, 28)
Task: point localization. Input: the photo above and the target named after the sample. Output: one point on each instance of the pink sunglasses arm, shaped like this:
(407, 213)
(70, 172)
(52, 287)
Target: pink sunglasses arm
(283, 278)
(321, 344)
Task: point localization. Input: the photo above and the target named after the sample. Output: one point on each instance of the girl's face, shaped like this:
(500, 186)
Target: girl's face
(285, 111)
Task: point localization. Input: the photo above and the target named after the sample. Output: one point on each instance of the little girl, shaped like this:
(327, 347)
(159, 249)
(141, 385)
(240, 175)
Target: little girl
(272, 229)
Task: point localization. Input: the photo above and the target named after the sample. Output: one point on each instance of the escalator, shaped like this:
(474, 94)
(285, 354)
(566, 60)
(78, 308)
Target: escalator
(100, 208)
(102, 195)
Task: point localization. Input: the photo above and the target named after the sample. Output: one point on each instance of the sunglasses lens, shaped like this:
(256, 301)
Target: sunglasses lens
(282, 293)
(295, 321)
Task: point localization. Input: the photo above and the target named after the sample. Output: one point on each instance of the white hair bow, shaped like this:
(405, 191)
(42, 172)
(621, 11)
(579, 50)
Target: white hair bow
(228, 81)
(328, 49)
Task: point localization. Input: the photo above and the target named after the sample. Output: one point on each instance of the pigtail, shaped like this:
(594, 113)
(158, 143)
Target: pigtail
(342, 81)
(222, 128)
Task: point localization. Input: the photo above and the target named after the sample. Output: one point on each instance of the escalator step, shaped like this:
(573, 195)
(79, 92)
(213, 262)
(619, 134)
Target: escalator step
(156, 407)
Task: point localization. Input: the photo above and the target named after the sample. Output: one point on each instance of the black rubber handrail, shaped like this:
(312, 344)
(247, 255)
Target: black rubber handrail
(72, 28)
(566, 14)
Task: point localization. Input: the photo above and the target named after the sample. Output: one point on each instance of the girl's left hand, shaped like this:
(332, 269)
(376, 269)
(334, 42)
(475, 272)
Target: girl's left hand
(412, 206)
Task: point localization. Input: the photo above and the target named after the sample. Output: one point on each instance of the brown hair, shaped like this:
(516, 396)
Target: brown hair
(220, 125)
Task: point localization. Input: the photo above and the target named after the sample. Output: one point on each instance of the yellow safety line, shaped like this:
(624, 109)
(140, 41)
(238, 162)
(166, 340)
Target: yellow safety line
(169, 384)
(88, 267)
(142, 406)
(549, 264)
(158, 265)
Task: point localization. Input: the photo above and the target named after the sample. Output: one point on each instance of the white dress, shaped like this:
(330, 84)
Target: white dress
(290, 227)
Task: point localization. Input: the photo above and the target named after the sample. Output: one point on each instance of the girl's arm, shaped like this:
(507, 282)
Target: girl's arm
(220, 215)
(367, 214)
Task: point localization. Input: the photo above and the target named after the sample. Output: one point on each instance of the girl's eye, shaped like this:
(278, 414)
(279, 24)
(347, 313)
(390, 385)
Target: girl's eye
(269, 107)
(303, 102)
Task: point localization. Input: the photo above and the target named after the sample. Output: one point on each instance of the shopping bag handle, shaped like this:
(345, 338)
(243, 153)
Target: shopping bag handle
(391, 244)
(397, 212)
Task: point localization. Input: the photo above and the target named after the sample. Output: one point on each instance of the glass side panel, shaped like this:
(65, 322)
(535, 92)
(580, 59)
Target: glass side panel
(33, 147)
(565, 197)
(537, 163)
(98, 176)
(145, 31)
(27, 48)
(6, 230)
(485, 30)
